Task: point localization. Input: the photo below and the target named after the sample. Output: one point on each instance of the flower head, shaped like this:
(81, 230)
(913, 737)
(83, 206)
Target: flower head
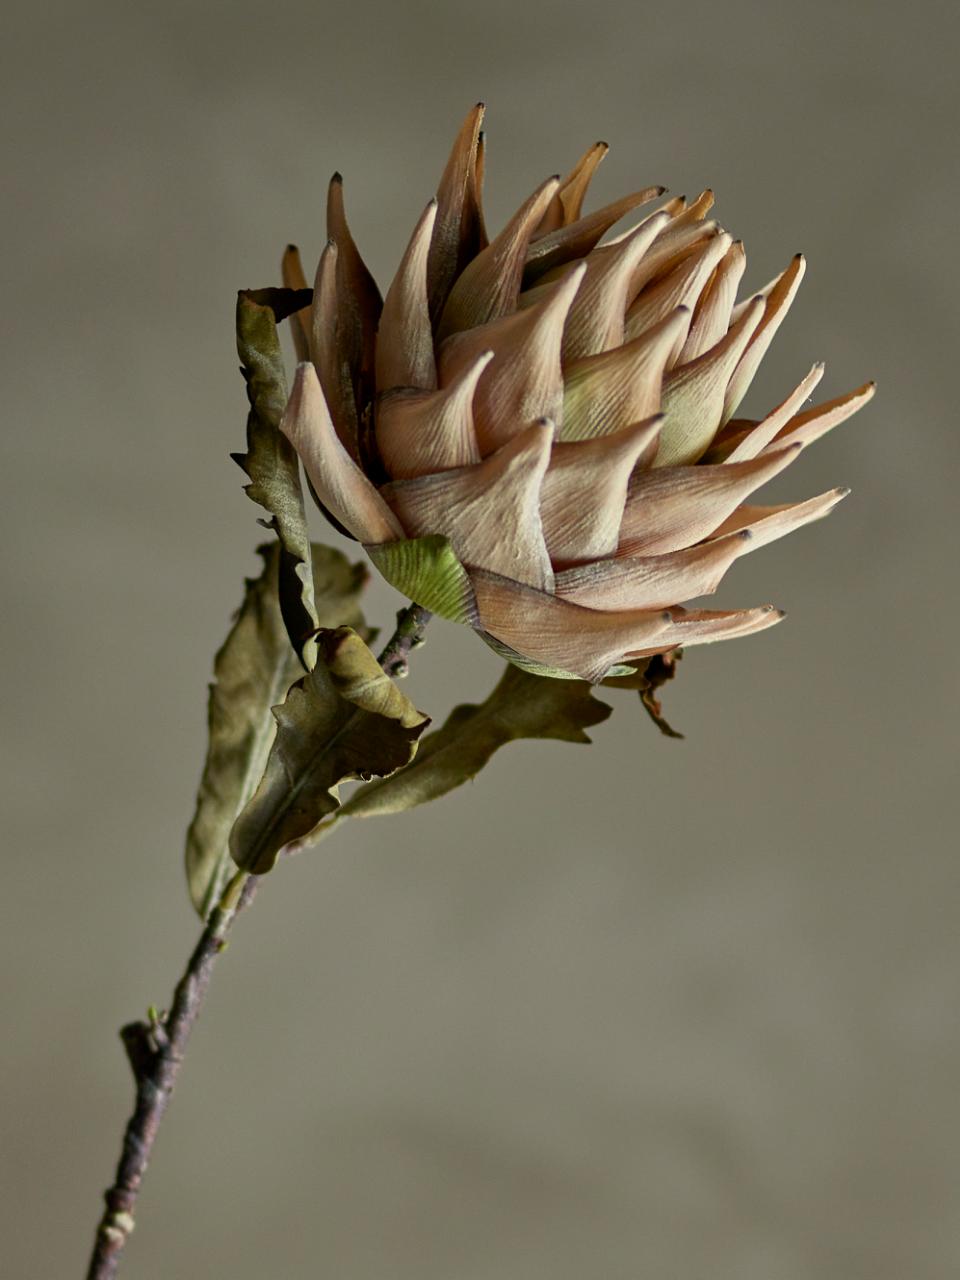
(536, 434)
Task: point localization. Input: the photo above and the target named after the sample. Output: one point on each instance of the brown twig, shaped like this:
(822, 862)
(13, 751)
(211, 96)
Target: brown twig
(155, 1048)
(408, 636)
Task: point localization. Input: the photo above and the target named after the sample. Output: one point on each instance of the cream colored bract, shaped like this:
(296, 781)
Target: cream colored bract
(536, 434)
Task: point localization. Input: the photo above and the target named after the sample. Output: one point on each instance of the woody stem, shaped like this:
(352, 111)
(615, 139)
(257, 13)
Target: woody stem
(156, 1048)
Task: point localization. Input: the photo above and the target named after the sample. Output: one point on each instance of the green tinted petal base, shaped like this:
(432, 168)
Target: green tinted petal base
(426, 570)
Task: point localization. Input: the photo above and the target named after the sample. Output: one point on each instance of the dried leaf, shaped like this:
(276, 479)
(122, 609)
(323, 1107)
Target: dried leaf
(647, 679)
(253, 670)
(271, 461)
(346, 719)
(521, 706)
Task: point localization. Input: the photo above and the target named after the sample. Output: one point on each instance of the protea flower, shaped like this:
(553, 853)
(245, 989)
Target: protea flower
(536, 434)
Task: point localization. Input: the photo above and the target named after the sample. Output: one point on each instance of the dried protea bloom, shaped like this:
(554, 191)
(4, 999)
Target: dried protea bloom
(536, 434)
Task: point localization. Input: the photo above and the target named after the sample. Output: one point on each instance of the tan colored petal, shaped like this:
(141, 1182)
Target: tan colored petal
(291, 272)
(706, 626)
(584, 642)
(673, 507)
(813, 423)
(329, 358)
(489, 286)
(680, 287)
(490, 512)
(767, 524)
(567, 204)
(419, 432)
(358, 298)
(610, 391)
(405, 338)
(758, 437)
(524, 382)
(670, 248)
(693, 394)
(672, 207)
(778, 296)
(596, 319)
(456, 231)
(475, 192)
(585, 489)
(534, 296)
(566, 245)
(694, 212)
(712, 317)
(339, 483)
(651, 582)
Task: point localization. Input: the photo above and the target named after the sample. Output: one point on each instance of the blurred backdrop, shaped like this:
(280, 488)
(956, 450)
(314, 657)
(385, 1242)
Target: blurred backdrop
(643, 1009)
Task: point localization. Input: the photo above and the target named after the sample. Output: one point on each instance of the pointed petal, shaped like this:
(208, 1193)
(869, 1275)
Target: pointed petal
(680, 287)
(475, 193)
(596, 319)
(670, 248)
(490, 512)
(583, 642)
(358, 301)
(338, 482)
(524, 381)
(778, 300)
(422, 432)
(566, 244)
(673, 507)
(405, 339)
(614, 389)
(694, 212)
(489, 285)
(585, 490)
(566, 205)
(767, 524)
(651, 582)
(757, 437)
(455, 234)
(813, 423)
(705, 626)
(673, 206)
(291, 272)
(712, 318)
(693, 394)
(669, 207)
(329, 357)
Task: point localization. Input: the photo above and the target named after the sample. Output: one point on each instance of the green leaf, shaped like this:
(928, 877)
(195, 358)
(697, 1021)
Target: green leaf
(427, 571)
(521, 706)
(345, 719)
(646, 680)
(271, 461)
(253, 670)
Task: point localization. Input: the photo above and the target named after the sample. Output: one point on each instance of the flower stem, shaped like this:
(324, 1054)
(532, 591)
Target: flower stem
(408, 636)
(156, 1048)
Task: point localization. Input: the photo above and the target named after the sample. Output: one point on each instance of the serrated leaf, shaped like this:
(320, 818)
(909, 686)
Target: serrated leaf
(253, 670)
(271, 461)
(521, 706)
(345, 719)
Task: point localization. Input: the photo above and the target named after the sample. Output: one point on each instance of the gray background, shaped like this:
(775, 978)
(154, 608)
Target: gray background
(644, 1009)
